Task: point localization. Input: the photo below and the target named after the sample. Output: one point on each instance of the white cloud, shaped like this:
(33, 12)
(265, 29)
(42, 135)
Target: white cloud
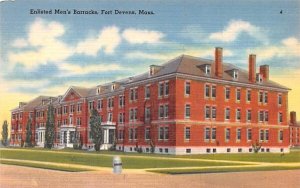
(108, 39)
(235, 28)
(289, 47)
(71, 69)
(43, 36)
(20, 43)
(136, 36)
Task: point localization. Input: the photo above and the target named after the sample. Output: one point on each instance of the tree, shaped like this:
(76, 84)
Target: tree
(50, 132)
(96, 129)
(5, 133)
(78, 140)
(256, 146)
(28, 142)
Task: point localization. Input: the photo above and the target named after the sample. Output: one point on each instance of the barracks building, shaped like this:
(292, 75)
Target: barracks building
(188, 105)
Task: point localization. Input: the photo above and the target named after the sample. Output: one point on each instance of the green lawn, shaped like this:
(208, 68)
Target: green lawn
(293, 156)
(103, 160)
(219, 170)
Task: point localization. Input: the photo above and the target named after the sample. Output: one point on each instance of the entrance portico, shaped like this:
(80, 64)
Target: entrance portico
(67, 136)
(108, 134)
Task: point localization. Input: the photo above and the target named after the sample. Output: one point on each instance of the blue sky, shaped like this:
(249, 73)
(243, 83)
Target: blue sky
(45, 54)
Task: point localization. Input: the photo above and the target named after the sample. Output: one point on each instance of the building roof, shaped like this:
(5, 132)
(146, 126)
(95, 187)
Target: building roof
(190, 65)
(32, 104)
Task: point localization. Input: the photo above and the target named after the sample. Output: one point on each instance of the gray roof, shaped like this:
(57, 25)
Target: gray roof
(33, 103)
(191, 66)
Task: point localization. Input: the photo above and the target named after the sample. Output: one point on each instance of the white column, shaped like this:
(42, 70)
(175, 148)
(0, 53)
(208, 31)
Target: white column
(107, 136)
(68, 137)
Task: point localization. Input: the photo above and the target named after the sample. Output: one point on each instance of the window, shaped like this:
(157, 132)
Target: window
(207, 133)
(238, 134)
(213, 91)
(161, 111)
(259, 78)
(235, 74)
(91, 105)
(261, 94)
(78, 120)
(280, 135)
(166, 88)
(261, 116)
(135, 114)
(213, 133)
(121, 101)
(248, 95)
(238, 114)
(110, 102)
(121, 118)
(249, 134)
(187, 88)
(266, 135)
(65, 109)
(147, 92)
(187, 111)
(279, 99)
(110, 117)
(166, 133)
(161, 133)
(214, 112)
(266, 97)
(72, 109)
(147, 113)
(131, 134)
(166, 111)
(227, 93)
(207, 112)
(187, 133)
(147, 133)
(227, 113)
(280, 117)
(207, 90)
(160, 89)
(266, 116)
(133, 94)
(261, 133)
(248, 115)
(238, 94)
(227, 134)
(207, 69)
(131, 114)
(99, 104)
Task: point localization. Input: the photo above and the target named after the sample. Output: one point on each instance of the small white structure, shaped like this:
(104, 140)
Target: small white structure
(117, 165)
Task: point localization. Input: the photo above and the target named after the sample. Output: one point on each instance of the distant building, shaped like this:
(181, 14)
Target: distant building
(187, 105)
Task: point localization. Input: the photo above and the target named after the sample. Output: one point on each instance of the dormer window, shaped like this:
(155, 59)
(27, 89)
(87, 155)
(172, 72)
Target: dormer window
(98, 90)
(259, 78)
(151, 71)
(235, 74)
(207, 69)
(113, 87)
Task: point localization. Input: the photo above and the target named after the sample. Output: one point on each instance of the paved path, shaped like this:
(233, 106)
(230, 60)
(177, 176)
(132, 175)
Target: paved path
(25, 177)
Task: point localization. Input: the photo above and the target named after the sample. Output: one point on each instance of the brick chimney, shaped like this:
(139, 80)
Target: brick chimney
(293, 119)
(264, 71)
(218, 62)
(252, 68)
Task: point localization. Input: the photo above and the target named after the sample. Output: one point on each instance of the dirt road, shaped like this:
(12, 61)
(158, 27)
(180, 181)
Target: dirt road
(16, 176)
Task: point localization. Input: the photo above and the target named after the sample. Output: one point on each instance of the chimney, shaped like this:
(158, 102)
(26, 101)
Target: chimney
(252, 68)
(218, 62)
(264, 71)
(293, 119)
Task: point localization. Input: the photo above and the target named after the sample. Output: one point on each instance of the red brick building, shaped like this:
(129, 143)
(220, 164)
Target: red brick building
(187, 105)
(294, 130)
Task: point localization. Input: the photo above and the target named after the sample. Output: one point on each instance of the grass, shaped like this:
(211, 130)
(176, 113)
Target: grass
(44, 166)
(222, 170)
(293, 156)
(103, 160)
